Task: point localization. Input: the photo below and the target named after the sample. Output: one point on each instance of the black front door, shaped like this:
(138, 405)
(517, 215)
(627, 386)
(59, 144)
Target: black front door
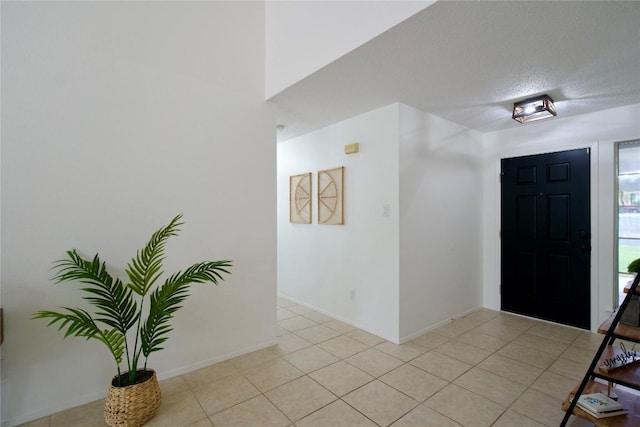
(545, 235)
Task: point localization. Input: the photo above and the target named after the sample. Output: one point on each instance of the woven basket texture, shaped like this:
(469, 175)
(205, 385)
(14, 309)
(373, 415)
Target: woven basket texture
(133, 405)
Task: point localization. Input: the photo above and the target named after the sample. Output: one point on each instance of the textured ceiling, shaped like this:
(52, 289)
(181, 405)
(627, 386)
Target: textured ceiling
(469, 61)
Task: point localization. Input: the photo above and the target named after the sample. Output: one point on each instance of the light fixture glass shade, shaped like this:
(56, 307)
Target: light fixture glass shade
(532, 109)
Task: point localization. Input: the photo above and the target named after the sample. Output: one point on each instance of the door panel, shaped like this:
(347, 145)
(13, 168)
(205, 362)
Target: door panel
(545, 236)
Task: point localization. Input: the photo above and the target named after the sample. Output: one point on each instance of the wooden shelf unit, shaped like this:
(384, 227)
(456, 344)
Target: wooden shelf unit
(628, 377)
(621, 331)
(628, 288)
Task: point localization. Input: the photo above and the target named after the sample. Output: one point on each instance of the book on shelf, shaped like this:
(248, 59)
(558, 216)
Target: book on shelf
(605, 414)
(598, 402)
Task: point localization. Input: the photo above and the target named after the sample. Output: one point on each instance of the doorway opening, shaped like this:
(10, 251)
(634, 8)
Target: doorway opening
(628, 211)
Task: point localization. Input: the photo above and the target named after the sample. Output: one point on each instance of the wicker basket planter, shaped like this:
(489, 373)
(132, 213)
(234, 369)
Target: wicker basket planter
(132, 405)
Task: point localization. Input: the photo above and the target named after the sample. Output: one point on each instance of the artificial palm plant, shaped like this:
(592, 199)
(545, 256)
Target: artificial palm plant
(120, 306)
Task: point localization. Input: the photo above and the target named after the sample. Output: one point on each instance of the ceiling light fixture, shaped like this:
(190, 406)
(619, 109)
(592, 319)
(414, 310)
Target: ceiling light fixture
(532, 109)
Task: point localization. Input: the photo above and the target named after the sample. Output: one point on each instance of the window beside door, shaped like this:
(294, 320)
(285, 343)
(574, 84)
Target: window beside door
(628, 203)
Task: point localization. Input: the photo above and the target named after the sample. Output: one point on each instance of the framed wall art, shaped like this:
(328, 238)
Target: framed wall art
(330, 196)
(300, 198)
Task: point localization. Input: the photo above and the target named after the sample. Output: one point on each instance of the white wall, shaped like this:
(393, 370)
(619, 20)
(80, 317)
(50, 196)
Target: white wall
(599, 132)
(440, 221)
(319, 264)
(304, 36)
(115, 117)
(412, 270)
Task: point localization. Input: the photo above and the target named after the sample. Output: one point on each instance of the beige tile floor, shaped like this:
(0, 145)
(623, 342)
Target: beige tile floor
(485, 369)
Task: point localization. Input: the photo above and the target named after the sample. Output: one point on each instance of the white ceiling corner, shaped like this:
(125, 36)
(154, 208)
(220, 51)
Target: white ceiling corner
(467, 62)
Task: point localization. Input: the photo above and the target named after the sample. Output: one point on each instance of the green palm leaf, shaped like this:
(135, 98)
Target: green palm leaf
(117, 307)
(146, 267)
(79, 323)
(166, 299)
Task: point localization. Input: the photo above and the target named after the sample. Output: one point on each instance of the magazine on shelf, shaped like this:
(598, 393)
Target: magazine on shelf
(598, 403)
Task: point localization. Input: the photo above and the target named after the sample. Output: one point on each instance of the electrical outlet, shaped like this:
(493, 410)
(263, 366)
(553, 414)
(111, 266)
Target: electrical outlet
(352, 294)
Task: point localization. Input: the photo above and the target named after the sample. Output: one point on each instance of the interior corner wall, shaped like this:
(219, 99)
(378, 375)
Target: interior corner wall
(597, 131)
(440, 221)
(324, 31)
(116, 116)
(348, 271)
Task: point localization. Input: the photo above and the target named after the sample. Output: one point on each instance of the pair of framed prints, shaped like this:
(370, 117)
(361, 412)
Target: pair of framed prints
(330, 197)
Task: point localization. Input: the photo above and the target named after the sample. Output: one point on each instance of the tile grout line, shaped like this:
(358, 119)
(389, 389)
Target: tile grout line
(534, 328)
(449, 340)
